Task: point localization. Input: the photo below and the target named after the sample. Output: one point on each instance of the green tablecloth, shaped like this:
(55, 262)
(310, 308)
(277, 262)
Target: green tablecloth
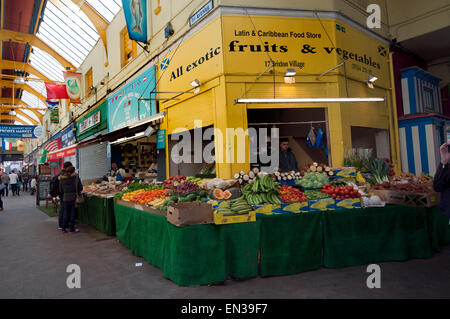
(190, 255)
(288, 243)
(395, 233)
(98, 212)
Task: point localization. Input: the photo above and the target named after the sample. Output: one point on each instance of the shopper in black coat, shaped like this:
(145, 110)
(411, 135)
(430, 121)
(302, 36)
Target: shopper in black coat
(442, 179)
(69, 187)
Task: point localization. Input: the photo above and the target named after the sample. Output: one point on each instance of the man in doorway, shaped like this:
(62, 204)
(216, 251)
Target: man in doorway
(5, 181)
(118, 173)
(441, 182)
(288, 162)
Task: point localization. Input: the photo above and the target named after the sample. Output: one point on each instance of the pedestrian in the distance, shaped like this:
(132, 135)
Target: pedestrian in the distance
(5, 181)
(13, 180)
(441, 182)
(2, 188)
(26, 180)
(69, 187)
(33, 185)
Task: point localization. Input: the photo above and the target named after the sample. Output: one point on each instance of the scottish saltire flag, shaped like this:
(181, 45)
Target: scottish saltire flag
(51, 104)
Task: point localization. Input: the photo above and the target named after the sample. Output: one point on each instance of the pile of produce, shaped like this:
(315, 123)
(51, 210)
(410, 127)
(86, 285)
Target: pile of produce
(319, 168)
(290, 194)
(341, 192)
(311, 195)
(174, 181)
(186, 187)
(218, 183)
(162, 203)
(425, 179)
(313, 180)
(199, 181)
(230, 193)
(408, 188)
(248, 178)
(379, 170)
(288, 176)
(104, 188)
(137, 186)
(237, 206)
(262, 190)
(390, 165)
(143, 197)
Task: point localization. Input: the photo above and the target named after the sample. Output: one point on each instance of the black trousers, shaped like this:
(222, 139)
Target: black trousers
(14, 188)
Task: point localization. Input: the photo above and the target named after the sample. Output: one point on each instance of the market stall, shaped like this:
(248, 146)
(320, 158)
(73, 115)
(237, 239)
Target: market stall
(203, 230)
(97, 209)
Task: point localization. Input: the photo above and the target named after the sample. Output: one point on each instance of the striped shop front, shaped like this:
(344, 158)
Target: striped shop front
(420, 92)
(420, 139)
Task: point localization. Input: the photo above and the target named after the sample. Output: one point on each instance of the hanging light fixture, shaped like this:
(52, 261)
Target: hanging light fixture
(289, 76)
(371, 80)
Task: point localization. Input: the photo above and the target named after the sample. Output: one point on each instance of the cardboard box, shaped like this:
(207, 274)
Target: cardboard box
(190, 213)
(408, 199)
(423, 200)
(348, 203)
(390, 197)
(220, 219)
(142, 207)
(297, 207)
(322, 204)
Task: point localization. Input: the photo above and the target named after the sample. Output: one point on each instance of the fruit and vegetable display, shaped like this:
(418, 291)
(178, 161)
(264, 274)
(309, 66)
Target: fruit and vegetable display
(174, 181)
(288, 176)
(104, 188)
(137, 186)
(214, 183)
(185, 187)
(162, 203)
(263, 190)
(231, 193)
(248, 178)
(315, 167)
(238, 206)
(313, 180)
(142, 196)
(379, 170)
(311, 195)
(290, 194)
(341, 192)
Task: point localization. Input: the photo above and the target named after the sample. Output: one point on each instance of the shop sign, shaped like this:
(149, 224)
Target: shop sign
(131, 103)
(201, 13)
(89, 122)
(161, 140)
(199, 57)
(21, 131)
(67, 137)
(302, 44)
(62, 153)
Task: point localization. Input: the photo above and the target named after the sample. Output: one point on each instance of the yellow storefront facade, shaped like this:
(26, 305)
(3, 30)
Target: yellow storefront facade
(242, 56)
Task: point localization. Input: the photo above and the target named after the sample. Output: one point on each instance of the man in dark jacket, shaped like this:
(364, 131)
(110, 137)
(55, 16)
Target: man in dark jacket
(441, 181)
(69, 187)
(288, 162)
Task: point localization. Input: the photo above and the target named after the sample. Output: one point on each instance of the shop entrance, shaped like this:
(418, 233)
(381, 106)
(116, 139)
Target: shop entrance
(294, 124)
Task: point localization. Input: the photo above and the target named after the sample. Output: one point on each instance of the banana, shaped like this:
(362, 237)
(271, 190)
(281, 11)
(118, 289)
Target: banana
(255, 186)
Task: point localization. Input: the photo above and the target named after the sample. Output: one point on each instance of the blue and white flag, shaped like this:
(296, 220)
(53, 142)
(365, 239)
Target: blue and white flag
(51, 104)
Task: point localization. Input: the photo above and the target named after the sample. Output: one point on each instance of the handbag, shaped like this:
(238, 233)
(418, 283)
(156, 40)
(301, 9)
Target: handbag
(80, 199)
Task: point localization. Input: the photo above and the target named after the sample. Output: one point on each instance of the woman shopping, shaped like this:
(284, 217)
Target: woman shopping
(70, 188)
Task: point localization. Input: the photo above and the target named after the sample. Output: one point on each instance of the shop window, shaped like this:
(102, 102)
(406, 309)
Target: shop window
(88, 82)
(128, 47)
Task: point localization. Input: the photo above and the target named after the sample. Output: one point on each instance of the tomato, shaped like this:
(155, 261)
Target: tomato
(334, 196)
